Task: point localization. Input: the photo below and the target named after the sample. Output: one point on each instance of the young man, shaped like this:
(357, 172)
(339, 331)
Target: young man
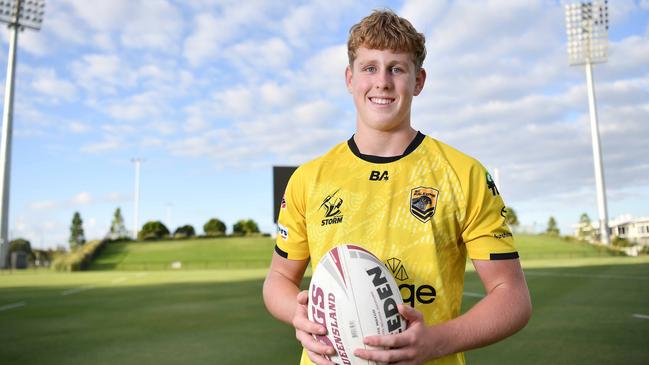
(418, 204)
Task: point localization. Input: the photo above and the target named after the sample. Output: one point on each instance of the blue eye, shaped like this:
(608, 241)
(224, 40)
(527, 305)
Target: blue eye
(370, 69)
(396, 70)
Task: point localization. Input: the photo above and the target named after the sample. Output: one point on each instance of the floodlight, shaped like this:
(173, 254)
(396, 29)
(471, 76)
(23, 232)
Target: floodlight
(18, 14)
(587, 31)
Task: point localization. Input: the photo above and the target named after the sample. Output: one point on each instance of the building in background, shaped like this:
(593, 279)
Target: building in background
(634, 230)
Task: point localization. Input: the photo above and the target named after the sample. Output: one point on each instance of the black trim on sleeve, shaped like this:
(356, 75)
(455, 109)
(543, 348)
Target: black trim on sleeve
(503, 256)
(380, 159)
(281, 252)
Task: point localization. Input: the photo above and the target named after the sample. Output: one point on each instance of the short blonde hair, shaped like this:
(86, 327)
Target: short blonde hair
(383, 29)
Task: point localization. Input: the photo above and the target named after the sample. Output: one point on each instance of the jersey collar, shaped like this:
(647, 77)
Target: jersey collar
(380, 159)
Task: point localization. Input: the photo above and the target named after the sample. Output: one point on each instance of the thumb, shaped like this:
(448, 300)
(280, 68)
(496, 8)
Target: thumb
(410, 314)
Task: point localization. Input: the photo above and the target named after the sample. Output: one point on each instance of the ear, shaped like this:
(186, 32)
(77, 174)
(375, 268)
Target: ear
(420, 79)
(348, 78)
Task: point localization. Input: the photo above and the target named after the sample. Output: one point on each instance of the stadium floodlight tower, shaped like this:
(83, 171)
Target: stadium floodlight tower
(587, 31)
(18, 14)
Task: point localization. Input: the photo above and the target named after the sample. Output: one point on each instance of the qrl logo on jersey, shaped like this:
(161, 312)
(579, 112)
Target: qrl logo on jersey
(411, 293)
(423, 202)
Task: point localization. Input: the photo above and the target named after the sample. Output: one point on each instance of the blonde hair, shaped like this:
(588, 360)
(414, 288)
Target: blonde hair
(383, 29)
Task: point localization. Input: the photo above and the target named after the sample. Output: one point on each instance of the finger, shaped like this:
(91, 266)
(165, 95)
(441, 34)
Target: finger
(386, 356)
(389, 341)
(313, 345)
(303, 297)
(302, 323)
(319, 359)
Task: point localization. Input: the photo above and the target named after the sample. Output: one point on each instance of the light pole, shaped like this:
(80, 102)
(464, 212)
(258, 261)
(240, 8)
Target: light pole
(18, 14)
(587, 30)
(136, 197)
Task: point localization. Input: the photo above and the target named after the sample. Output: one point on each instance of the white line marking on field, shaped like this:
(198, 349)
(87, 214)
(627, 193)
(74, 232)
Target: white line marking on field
(474, 295)
(597, 276)
(118, 280)
(641, 316)
(77, 290)
(6, 307)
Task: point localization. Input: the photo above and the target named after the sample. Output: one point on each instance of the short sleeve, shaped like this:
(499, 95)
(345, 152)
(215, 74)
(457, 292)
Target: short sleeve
(485, 232)
(291, 240)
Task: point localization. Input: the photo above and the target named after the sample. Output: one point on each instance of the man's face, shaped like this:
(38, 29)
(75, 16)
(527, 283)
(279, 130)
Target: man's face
(382, 84)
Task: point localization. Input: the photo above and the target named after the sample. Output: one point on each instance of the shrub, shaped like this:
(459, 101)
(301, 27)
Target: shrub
(245, 227)
(185, 231)
(644, 250)
(153, 230)
(214, 228)
(80, 258)
(620, 242)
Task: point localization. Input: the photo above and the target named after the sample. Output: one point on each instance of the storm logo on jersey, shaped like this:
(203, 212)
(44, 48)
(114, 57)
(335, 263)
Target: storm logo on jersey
(423, 202)
(331, 205)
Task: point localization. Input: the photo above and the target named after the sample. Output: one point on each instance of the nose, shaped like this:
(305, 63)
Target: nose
(384, 80)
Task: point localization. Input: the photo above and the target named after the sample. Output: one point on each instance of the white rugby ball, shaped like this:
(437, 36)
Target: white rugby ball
(353, 294)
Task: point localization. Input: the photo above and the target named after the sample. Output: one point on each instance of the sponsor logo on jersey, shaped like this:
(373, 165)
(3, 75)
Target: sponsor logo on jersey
(283, 205)
(411, 293)
(283, 231)
(423, 202)
(503, 235)
(331, 206)
(491, 184)
(379, 176)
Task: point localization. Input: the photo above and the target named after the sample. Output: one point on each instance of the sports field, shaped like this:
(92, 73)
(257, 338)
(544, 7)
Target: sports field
(589, 308)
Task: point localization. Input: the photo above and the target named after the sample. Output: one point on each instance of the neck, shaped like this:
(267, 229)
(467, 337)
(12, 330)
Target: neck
(384, 143)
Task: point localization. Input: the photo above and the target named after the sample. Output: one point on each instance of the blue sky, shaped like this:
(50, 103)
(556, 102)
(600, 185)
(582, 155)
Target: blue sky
(213, 93)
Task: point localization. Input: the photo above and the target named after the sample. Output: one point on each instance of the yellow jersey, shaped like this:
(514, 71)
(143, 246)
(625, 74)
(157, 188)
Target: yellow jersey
(421, 213)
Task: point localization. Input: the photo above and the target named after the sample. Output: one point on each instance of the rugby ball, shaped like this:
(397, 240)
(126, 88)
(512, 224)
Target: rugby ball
(353, 294)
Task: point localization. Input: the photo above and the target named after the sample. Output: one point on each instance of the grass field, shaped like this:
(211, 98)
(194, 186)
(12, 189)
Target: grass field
(590, 309)
(218, 253)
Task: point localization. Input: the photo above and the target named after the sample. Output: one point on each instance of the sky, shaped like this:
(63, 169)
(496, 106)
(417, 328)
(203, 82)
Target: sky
(211, 94)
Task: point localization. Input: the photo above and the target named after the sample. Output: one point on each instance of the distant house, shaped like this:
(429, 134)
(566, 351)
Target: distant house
(635, 230)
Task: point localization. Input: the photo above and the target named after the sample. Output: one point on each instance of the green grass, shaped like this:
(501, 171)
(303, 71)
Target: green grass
(231, 252)
(550, 247)
(583, 311)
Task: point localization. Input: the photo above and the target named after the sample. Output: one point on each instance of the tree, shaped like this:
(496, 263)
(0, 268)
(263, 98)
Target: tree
(510, 217)
(153, 230)
(245, 227)
(585, 231)
(552, 229)
(20, 244)
(77, 237)
(184, 231)
(214, 228)
(117, 228)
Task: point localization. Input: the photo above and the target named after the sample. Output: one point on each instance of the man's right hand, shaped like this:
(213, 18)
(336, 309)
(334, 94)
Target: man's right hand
(305, 329)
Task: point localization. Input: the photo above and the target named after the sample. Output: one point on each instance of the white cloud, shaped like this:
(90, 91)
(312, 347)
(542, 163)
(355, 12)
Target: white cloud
(83, 198)
(104, 73)
(109, 143)
(211, 33)
(78, 127)
(48, 83)
(259, 57)
(43, 205)
(147, 105)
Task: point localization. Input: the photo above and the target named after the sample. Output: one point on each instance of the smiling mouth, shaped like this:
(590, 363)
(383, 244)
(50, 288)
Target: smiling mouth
(381, 101)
